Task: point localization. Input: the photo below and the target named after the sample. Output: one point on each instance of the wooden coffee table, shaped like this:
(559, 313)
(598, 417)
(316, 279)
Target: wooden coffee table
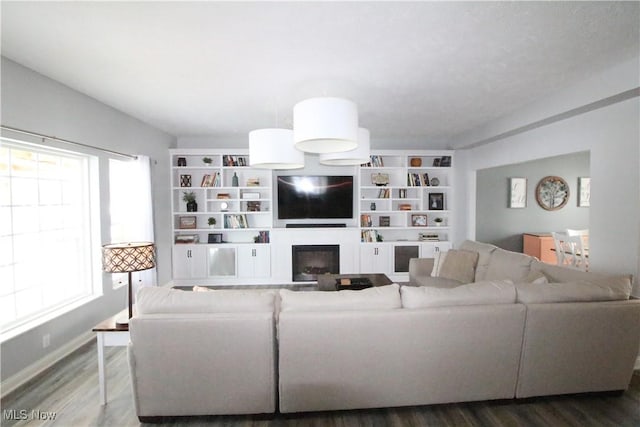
(329, 282)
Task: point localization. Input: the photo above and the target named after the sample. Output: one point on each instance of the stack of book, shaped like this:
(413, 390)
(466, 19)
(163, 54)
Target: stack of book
(365, 220)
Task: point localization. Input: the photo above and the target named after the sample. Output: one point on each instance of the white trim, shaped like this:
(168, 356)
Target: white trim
(13, 382)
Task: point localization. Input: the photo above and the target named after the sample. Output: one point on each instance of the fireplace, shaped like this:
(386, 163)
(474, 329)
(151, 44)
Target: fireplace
(309, 261)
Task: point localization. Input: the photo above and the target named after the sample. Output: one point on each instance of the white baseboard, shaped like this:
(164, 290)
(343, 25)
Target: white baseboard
(20, 378)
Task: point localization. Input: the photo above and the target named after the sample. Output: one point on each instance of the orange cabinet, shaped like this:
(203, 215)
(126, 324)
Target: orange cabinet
(539, 245)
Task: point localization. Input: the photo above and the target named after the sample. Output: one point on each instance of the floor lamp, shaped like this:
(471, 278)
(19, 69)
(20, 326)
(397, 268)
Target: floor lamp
(127, 258)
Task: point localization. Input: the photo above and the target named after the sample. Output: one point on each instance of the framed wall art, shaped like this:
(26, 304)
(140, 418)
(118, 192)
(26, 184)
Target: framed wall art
(517, 193)
(584, 192)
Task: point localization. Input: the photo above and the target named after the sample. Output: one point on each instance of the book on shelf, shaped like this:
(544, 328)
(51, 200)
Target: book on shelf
(229, 160)
(187, 238)
(235, 221)
(262, 237)
(210, 180)
(369, 236)
(428, 237)
(376, 162)
(418, 180)
(253, 182)
(365, 220)
(254, 206)
(384, 193)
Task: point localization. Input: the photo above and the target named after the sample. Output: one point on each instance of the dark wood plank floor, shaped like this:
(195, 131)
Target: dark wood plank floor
(70, 391)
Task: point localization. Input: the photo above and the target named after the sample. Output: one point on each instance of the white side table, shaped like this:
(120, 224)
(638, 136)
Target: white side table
(108, 335)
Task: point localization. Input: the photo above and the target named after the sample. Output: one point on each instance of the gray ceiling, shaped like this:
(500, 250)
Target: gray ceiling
(424, 71)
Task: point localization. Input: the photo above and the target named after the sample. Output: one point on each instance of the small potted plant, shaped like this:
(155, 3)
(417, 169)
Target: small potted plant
(190, 199)
(207, 161)
(439, 221)
(212, 222)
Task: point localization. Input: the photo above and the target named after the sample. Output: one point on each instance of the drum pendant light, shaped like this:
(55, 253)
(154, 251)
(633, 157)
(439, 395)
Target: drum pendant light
(325, 125)
(274, 149)
(356, 156)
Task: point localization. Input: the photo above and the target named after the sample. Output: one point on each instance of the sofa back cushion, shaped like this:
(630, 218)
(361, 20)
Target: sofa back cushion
(484, 251)
(154, 300)
(479, 293)
(508, 265)
(533, 293)
(375, 298)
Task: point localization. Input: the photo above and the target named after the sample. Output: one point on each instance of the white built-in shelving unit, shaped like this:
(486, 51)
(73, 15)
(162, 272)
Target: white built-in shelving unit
(399, 195)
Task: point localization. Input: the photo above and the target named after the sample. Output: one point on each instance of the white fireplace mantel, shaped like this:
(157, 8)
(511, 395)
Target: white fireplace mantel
(282, 240)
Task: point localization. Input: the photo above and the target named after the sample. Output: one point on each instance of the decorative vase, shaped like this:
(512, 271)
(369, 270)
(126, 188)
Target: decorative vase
(192, 206)
(234, 180)
(373, 206)
(416, 162)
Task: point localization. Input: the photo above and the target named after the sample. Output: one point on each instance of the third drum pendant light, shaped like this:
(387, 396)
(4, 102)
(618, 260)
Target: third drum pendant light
(325, 125)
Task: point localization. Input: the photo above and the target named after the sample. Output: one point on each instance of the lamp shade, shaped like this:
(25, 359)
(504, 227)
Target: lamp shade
(128, 257)
(274, 149)
(325, 125)
(357, 156)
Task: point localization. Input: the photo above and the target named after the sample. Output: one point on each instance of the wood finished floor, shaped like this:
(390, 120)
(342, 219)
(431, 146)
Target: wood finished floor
(70, 390)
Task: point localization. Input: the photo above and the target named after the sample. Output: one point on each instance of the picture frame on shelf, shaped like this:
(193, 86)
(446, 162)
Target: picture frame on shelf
(436, 201)
(188, 222)
(517, 193)
(584, 192)
(214, 238)
(185, 180)
(418, 220)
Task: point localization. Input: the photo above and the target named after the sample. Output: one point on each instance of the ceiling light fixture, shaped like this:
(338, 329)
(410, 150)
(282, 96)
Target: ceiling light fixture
(325, 125)
(274, 149)
(356, 156)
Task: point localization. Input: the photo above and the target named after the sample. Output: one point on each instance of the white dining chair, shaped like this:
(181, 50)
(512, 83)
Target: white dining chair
(570, 251)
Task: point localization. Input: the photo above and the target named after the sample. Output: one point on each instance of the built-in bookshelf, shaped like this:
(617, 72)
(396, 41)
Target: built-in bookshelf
(406, 196)
(232, 199)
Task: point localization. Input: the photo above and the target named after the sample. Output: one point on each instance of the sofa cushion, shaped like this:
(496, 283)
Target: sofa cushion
(537, 277)
(508, 265)
(459, 265)
(375, 298)
(436, 282)
(153, 300)
(478, 293)
(531, 293)
(484, 254)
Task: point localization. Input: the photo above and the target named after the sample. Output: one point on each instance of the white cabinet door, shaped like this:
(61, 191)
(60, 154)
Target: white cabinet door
(189, 261)
(428, 250)
(254, 261)
(375, 259)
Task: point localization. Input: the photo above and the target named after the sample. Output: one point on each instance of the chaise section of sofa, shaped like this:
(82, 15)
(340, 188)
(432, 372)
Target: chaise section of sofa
(371, 355)
(203, 353)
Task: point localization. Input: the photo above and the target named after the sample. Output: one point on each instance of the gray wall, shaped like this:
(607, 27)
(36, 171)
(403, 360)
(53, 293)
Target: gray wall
(497, 224)
(609, 131)
(36, 103)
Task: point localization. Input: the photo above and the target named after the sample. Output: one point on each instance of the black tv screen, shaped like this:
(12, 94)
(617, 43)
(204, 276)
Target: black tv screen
(308, 196)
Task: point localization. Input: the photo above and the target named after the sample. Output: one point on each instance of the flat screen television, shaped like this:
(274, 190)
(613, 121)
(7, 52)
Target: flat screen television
(315, 197)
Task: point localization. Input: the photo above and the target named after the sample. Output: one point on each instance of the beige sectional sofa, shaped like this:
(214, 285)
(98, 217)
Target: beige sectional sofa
(519, 329)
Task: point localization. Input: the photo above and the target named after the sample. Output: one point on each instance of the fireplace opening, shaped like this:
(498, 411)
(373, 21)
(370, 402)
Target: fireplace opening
(310, 261)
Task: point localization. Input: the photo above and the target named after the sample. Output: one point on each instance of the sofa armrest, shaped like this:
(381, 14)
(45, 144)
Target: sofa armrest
(419, 267)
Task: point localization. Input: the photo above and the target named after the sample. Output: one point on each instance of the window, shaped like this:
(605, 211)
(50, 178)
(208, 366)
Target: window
(47, 260)
(130, 209)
